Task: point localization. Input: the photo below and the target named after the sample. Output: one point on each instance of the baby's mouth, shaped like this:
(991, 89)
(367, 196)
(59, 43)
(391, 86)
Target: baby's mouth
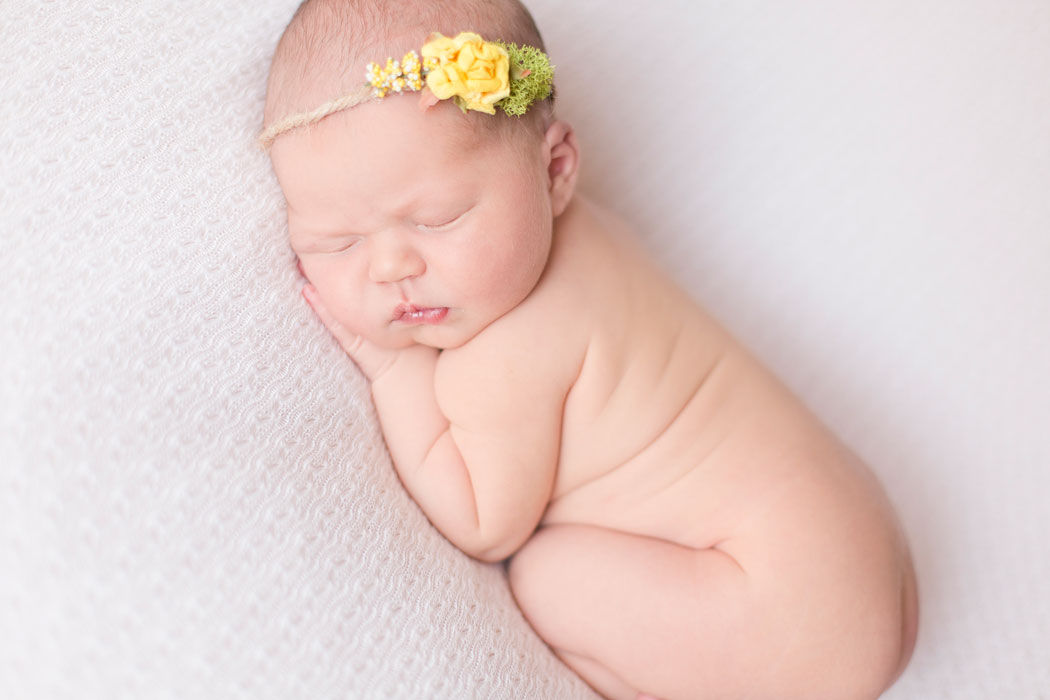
(412, 314)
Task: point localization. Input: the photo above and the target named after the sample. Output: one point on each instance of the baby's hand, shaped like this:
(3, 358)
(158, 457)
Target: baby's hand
(372, 359)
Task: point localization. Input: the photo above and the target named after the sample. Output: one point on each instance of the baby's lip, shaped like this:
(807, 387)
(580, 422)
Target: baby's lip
(410, 313)
(403, 309)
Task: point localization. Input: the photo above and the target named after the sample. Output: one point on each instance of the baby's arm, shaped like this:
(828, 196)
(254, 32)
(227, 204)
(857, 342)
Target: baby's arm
(427, 460)
(481, 461)
(504, 405)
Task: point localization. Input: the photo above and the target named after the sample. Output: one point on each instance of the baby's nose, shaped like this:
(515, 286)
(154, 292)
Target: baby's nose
(393, 259)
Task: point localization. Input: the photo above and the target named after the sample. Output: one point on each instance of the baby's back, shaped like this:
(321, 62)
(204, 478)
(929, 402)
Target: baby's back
(669, 412)
(648, 405)
(672, 431)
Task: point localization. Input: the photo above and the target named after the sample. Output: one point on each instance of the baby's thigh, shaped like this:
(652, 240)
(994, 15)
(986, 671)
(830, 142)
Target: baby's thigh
(678, 622)
(663, 619)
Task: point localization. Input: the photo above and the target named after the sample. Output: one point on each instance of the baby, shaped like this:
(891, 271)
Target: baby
(677, 524)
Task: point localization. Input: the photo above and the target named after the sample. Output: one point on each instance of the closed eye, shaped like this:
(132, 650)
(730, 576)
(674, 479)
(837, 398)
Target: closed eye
(343, 247)
(443, 224)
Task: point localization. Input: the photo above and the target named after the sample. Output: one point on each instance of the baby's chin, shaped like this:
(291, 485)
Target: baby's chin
(427, 338)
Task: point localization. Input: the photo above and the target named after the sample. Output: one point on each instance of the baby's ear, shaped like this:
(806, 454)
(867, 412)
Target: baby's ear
(564, 164)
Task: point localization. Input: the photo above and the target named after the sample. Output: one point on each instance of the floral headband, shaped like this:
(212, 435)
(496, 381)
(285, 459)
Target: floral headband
(477, 74)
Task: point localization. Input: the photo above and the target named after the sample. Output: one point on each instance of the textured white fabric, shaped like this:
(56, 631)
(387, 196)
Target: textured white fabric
(195, 500)
(194, 496)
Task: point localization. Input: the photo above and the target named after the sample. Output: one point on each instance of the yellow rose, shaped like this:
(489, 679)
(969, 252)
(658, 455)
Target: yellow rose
(469, 68)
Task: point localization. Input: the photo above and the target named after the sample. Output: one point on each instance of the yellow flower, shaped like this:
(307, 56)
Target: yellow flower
(469, 68)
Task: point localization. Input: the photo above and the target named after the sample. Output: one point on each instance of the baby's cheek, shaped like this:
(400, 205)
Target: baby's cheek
(344, 307)
(358, 318)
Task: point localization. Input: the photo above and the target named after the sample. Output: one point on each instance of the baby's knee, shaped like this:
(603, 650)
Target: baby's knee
(876, 653)
(891, 645)
(856, 668)
(876, 662)
(909, 621)
(855, 649)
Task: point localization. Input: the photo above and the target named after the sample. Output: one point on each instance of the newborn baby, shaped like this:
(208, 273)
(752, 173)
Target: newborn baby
(677, 523)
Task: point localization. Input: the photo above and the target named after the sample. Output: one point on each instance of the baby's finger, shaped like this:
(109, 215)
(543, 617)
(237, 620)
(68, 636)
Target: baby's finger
(314, 300)
(345, 337)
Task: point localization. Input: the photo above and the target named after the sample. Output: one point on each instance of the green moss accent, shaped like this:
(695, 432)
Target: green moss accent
(535, 86)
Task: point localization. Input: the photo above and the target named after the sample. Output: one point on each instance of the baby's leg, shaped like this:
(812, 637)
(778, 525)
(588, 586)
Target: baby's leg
(633, 614)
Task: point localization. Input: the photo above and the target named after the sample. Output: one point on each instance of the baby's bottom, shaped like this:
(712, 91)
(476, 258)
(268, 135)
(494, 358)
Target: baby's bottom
(632, 614)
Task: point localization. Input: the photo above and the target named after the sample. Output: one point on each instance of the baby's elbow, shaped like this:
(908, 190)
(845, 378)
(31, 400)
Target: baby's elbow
(500, 529)
(493, 555)
(494, 552)
(494, 547)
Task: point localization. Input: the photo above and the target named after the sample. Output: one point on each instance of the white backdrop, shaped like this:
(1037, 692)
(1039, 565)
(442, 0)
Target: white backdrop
(194, 497)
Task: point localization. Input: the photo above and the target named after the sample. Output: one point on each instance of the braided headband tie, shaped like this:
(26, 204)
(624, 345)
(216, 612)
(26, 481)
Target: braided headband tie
(476, 74)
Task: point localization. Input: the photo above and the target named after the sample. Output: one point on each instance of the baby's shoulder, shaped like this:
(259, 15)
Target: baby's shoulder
(546, 335)
(582, 290)
(591, 258)
(515, 371)
(532, 346)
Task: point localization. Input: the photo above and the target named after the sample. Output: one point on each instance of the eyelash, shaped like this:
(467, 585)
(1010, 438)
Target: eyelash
(430, 227)
(348, 246)
(447, 223)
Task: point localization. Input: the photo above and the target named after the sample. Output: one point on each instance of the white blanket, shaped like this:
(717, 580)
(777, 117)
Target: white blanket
(195, 500)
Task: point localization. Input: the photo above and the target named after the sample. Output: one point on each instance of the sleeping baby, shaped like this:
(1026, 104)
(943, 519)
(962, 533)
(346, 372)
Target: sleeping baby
(676, 523)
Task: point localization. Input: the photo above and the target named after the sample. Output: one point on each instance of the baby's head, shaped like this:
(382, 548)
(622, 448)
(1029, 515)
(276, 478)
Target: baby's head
(414, 225)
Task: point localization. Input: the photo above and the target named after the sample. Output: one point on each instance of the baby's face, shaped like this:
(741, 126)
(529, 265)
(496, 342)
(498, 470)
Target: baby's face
(407, 237)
